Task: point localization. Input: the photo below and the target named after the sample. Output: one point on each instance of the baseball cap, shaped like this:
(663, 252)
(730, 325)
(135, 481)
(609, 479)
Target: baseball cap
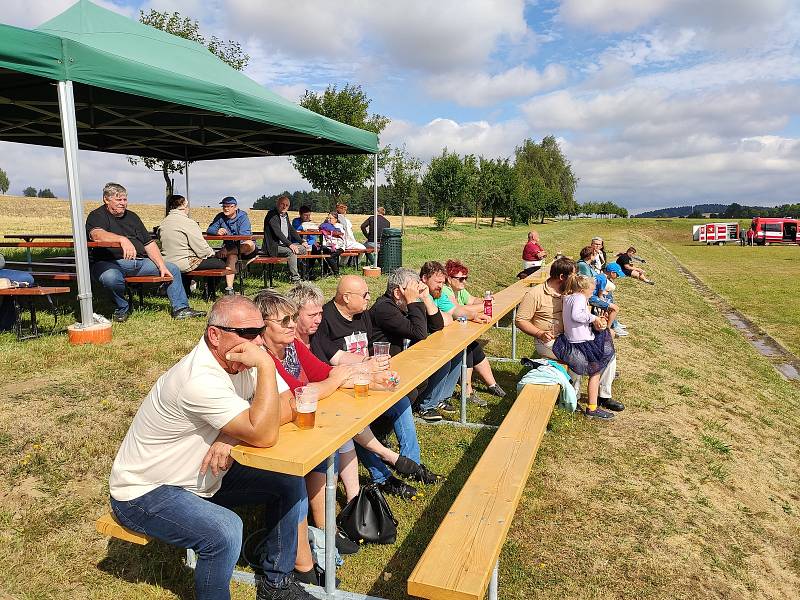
(229, 200)
(613, 267)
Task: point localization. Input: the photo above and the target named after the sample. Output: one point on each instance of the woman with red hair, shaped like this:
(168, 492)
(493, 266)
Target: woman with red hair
(456, 289)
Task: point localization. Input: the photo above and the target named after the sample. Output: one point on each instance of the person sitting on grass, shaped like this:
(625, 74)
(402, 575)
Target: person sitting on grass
(625, 260)
(456, 291)
(182, 242)
(585, 264)
(602, 301)
(6, 304)
(599, 261)
(586, 352)
(344, 336)
(232, 221)
(137, 254)
(533, 256)
(173, 477)
(299, 367)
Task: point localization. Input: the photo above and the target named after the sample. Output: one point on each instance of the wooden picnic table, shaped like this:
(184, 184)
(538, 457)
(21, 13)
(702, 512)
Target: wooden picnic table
(340, 416)
(29, 237)
(57, 244)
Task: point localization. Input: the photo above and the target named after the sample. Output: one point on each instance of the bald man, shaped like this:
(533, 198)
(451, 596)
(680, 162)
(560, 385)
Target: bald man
(533, 255)
(345, 336)
(173, 477)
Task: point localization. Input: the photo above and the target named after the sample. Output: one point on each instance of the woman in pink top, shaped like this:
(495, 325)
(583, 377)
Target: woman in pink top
(586, 345)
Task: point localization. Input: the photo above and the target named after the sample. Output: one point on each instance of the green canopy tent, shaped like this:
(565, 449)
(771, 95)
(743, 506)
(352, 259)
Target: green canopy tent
(127, 88)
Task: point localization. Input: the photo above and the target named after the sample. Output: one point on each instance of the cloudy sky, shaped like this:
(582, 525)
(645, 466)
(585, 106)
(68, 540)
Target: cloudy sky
(655, 102)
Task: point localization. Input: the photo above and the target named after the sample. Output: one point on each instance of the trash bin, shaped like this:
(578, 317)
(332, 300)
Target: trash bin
(390, 255)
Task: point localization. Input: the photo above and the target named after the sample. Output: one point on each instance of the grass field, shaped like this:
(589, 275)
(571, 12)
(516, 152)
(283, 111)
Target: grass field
(693, 492)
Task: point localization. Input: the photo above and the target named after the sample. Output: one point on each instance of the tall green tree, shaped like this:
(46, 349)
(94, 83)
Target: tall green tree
(337, 175)
(496, 187)
(445, 182)
(187, 28)
(4, 183)
(46, 193)
(402, 175)
(547, 182)
(29, 192)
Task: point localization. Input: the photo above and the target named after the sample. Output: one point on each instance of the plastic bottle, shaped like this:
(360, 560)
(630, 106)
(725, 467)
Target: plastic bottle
(487, 303)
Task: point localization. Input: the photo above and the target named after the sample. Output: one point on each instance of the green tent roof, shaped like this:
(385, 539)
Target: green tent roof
(141, 91)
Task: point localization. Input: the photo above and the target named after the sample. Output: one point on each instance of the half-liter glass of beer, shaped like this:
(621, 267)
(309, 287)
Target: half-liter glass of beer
(306, 401)
(361, 380)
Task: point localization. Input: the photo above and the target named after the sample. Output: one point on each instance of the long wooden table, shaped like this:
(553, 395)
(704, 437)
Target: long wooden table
(340, 416)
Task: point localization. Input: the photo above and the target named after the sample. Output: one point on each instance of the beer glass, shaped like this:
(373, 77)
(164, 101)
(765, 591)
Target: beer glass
(306, 400)
(361, 380)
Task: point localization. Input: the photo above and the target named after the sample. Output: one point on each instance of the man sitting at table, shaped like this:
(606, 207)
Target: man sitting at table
(540, 316)
(232, 221)
(138, 254)
(173, 477)
(280, 238)
(344, 336)
(442, 384)
(182, 242)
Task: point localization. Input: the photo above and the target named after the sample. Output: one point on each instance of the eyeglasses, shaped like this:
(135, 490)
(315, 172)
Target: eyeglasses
(462, 279)
(285, 320)
(365, 295)
(247, 333)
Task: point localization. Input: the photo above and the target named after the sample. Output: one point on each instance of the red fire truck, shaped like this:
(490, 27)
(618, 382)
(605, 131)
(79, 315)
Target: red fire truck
(716, 233)
(770, 230)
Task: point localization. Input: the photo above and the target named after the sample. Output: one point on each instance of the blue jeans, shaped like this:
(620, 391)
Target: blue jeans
(179, 517)
(406, 432)
(441, 385)
(6, 304)
(111, 274)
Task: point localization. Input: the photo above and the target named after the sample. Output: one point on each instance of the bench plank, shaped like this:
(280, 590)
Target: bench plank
(33, 291)
(459, 560)
(108, 525)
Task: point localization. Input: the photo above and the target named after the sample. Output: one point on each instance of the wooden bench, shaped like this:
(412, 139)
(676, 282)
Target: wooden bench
(137, 283)
(208, 275)
(269, 261)
(29, 293)
(463, 554)
(22, 265)
(55, 275)
(109, 526)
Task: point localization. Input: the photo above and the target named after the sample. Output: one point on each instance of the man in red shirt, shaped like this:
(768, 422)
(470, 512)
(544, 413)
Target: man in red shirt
(532, 256)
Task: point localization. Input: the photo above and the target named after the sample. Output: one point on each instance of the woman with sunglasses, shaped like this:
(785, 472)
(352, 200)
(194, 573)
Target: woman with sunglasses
(299, 367)
(456, 289)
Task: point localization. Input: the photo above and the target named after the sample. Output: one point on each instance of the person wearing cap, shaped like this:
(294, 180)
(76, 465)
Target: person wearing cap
(281, 239)
(232, 221)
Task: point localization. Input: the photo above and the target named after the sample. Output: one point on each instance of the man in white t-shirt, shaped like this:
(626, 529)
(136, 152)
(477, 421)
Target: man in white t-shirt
(173, 477)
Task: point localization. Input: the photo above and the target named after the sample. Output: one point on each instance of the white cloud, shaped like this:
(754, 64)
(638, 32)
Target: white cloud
(477, 137)
(481, 89)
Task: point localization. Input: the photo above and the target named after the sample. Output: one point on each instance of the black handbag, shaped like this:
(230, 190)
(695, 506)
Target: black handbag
(368, 517)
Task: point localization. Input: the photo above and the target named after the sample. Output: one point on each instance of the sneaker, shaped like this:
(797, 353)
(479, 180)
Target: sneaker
(476, 400)
(620, 332)
(446, 406)
(598, 413)
(395, 487)
(120, 316)
(187, 313)
(650, 282)
(611, 404)
(497, 391)
(431, 415)
(290, 590)
(229, 291)
(419, 472)
(345, 545)
(316, 576)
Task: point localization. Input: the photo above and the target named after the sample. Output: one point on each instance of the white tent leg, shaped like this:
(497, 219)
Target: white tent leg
(375, 215)
(186, 174)
(69, 135)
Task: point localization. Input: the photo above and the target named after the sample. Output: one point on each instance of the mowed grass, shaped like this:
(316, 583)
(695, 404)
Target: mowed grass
(761, 281)
(693, 492)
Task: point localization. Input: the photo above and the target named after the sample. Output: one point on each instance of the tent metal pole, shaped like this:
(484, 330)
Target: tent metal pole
(375, 215)
(69, 135)
(186, 174)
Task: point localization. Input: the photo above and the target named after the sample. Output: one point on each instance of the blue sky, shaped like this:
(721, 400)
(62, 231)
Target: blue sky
(655, 102)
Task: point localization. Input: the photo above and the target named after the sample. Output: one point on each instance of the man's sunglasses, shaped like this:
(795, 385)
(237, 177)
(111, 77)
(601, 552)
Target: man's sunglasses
(364, 295)
(247, 333)
(285, 320)
(461, 278)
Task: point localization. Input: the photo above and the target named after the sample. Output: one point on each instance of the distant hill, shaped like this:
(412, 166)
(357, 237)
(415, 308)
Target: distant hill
(683, 211)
